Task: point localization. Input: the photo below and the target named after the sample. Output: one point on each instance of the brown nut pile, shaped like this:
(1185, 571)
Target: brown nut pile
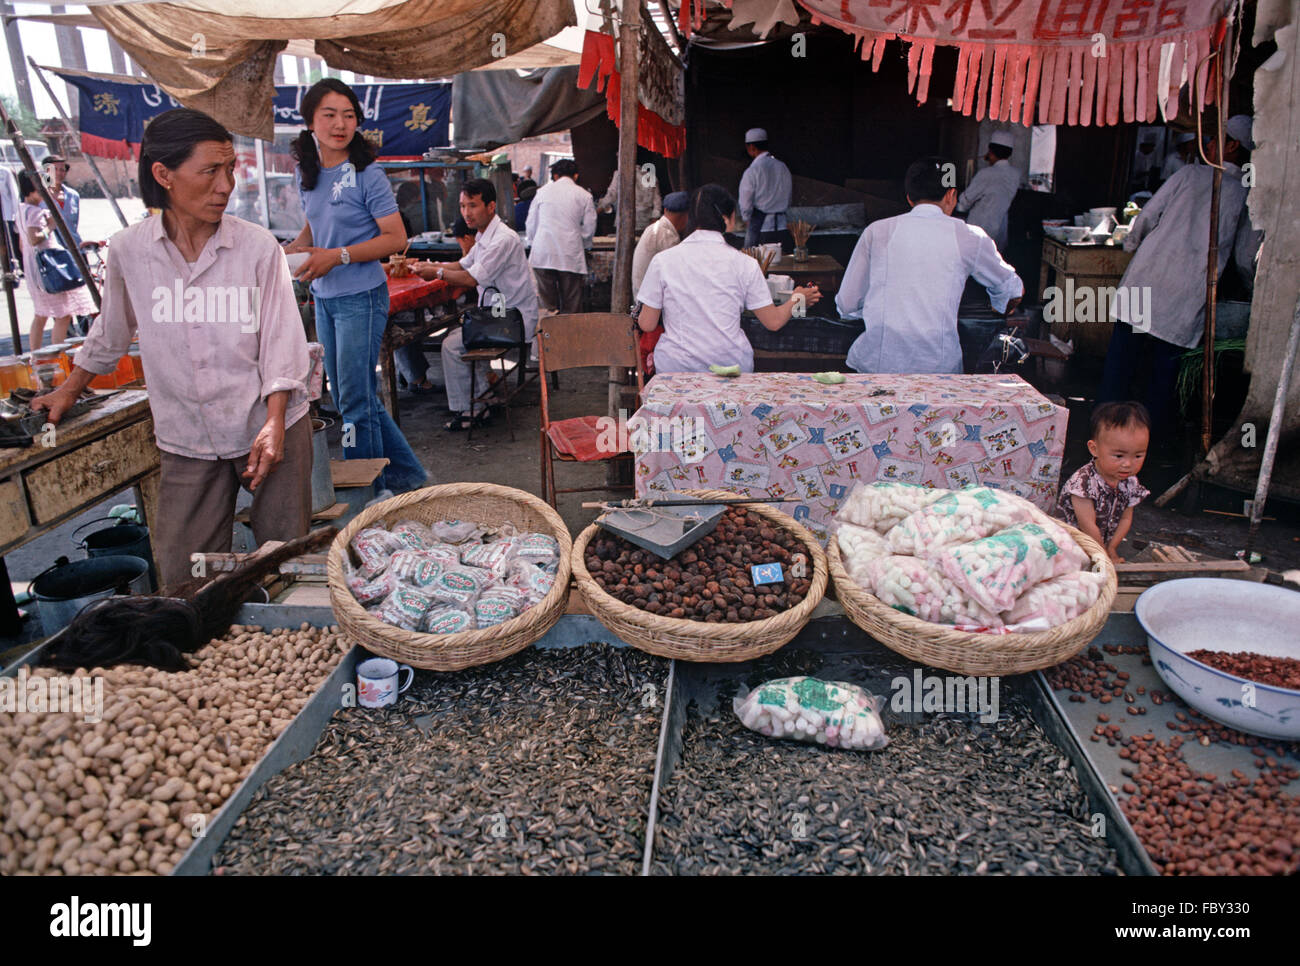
(1194, 824)
(1281, 672)
(128, 793)
(710, 580)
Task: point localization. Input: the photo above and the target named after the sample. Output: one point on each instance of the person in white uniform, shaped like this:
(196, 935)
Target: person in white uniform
(700, 288)
(765, 191)
(561, 223)
(906, 277)
(497, 261)
(989, 195)
(1163, 308)
(662, 235)
(1183, 154)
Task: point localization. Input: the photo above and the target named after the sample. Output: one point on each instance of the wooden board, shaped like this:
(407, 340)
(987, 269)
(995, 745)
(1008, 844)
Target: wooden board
(80, 477)
(13, 512)
(350, 473)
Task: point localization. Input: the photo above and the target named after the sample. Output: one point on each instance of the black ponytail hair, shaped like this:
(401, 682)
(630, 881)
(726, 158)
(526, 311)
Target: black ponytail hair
(360, 151)
(710, 207)
(169, 139)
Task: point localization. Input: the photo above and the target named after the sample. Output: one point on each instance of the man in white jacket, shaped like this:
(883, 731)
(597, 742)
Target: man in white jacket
(989, 195)
(906, 277)
(561, 223)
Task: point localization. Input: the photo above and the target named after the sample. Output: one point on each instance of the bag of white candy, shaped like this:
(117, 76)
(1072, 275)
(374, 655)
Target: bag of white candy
(826, 712)
(1053, 602)
(958, 517)
(374, 547)
(922, 589)
(858, 547)
(881, 505)
(996, 570)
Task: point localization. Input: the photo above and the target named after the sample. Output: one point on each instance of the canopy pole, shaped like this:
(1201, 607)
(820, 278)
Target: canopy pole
(1212, 261)
(20, 145)
(1274, 432)
(621, 289)
(6, 272)
(94, 168)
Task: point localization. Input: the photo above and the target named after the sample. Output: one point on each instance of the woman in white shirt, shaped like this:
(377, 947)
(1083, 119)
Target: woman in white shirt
(700, 288)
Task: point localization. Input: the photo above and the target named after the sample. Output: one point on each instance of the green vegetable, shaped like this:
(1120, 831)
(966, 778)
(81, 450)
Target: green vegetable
(725, 370)
(829, 378)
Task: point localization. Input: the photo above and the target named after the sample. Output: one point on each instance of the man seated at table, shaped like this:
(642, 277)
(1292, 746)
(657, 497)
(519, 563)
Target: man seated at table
(496, 262)
(666, 232)
(906, 277)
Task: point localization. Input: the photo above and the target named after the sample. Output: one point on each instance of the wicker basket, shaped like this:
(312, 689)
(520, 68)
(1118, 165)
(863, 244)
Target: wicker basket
(481, 503)
(970, 653)
(689, 640)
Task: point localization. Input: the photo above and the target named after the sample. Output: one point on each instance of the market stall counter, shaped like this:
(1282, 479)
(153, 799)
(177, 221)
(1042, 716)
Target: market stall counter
(788, 436)
(434, 303)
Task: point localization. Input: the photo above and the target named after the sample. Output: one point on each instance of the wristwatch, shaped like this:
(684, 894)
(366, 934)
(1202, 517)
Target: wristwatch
(344, 257)
(440, 271)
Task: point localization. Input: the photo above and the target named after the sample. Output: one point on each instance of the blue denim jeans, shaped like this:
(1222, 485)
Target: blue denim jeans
(351, 327)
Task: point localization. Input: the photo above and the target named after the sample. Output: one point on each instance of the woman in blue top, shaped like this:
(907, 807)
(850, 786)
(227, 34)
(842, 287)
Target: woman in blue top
(352, 222)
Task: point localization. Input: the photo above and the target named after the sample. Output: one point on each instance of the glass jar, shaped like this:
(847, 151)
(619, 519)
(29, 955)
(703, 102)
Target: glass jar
(137, 364)
(15, 373)
(801, 253)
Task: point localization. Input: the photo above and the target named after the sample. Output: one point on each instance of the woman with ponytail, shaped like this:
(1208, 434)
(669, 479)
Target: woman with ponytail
(352, 222)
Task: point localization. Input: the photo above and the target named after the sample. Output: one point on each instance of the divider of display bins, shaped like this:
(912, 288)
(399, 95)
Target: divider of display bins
(830, 633)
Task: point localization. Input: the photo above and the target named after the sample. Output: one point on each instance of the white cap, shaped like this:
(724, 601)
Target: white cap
(1004, 138)
(1238, 128)
(755, 134)
(1184, 136)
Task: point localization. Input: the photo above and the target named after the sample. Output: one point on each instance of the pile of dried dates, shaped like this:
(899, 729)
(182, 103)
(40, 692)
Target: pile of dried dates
(709, 581)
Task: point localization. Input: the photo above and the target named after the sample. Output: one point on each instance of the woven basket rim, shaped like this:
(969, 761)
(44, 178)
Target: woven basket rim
(599, 599)
(347, 607)
(1019, 646)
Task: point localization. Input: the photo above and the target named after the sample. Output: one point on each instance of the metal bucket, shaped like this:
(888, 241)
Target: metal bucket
(65, 588)
(121, 540)
(322, 481)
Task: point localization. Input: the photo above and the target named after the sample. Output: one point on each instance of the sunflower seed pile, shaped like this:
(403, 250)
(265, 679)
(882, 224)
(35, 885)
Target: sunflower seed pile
(541, 763)
(949, 795)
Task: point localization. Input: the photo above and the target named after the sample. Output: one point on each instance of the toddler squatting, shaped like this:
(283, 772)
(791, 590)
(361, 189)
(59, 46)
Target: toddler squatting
(1100, 496)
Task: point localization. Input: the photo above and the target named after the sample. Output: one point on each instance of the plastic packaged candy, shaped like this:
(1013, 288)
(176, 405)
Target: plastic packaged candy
(858, 547)
(456, 531)
(959, 516)
(534, 581)
(494, 556)
(374, 547)
(414, 535)
(537, 548)
(831, 713)
(922, 589)
(444, 553)
(1053, 602)
(405, 607)
(371, 592)
(415, 568)
(996, 570)
(460, 585)
(448, 620)
(879, 506)
(498, 604)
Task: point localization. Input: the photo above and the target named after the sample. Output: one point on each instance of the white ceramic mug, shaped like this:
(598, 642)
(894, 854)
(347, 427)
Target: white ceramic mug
(377, 682)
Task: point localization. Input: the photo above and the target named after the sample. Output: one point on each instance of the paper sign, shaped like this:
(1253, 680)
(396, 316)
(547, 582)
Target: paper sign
(766, 574)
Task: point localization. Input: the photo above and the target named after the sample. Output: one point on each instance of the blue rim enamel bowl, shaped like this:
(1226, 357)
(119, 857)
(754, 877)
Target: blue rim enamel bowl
(1205, 613)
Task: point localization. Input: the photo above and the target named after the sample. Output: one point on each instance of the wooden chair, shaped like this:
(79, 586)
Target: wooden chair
(569, 342)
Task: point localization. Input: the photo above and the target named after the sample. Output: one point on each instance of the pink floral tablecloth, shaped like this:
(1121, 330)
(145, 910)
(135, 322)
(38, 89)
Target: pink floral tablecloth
(785, 434)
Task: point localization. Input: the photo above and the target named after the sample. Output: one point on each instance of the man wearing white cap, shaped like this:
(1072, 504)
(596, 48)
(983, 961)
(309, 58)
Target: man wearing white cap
(1162, 307)
(1183, 154)
(765, 190)
(989, 195)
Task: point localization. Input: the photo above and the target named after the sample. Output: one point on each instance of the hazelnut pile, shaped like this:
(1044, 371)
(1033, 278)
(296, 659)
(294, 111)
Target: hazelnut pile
(1281, 672)
(710, 580)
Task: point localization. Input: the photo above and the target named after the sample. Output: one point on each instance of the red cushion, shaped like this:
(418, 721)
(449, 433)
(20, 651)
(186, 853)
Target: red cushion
(578, 438)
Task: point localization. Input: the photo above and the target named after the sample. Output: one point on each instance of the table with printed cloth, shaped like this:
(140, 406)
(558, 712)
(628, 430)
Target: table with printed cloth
(413, 294)
(787, 435)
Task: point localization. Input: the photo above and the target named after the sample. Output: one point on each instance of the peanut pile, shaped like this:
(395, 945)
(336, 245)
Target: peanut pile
(128, 793)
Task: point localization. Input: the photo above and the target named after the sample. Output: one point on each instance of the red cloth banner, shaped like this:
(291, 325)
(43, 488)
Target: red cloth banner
(1075, 61)
(599, 63)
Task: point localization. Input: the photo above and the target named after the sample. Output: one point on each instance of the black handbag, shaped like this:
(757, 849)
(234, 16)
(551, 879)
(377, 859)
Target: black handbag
(59, 272)
(491, 325)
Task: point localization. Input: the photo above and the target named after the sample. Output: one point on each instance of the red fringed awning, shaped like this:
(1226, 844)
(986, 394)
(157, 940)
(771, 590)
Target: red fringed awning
(1076, 61)
(599, 64)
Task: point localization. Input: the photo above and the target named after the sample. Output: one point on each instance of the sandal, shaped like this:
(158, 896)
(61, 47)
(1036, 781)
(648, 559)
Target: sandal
(460, 422)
